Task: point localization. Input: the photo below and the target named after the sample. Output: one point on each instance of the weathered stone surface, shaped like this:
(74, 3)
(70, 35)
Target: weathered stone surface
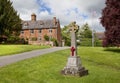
(74, 65)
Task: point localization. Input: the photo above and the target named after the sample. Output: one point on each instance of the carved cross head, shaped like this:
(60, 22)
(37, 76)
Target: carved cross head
(73, 27)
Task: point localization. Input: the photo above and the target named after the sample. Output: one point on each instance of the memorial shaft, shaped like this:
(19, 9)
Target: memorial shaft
(73, 42)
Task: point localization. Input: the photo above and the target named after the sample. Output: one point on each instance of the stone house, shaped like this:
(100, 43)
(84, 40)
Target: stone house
(34, 31)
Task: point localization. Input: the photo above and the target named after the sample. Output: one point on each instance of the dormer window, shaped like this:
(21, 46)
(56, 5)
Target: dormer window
(41, 23)
(26, 25)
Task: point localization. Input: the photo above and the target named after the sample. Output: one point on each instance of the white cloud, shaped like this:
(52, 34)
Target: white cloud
(25, 8)
(65, 10)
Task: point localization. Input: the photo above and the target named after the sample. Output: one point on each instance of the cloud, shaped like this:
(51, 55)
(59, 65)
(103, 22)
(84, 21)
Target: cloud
(66, 10)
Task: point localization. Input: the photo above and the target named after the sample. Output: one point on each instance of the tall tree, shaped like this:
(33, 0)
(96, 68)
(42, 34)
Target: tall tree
(111, 21)
(85, 31)
(10, 23)
(85, 35)
(66, 36)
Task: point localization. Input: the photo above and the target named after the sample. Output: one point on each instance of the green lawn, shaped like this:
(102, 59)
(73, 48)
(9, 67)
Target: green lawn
(13, 49)
(103, 66)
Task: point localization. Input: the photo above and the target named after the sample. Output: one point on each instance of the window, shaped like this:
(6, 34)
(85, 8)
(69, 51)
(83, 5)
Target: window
(32, 31)
(22, 32)
(40, 31)
(50, 30)
(26, 25)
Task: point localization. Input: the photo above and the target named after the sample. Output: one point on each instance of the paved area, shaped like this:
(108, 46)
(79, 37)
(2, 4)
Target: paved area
(6, 60)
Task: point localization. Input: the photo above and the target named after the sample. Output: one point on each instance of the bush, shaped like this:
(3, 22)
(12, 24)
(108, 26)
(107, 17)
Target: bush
(16, 40)
(23, 41)
(98, 43)
(13, 40)
(54, 42)
(33, 39)
(88, 42)
(46, 38)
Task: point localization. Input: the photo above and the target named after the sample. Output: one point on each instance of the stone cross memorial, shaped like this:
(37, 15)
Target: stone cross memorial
(74, 66)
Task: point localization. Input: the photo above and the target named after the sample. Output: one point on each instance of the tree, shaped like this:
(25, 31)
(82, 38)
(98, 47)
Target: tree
(10, 23)
(85, 35)
(55, 43)
(66, 36)
(85, 31)
(111, 21)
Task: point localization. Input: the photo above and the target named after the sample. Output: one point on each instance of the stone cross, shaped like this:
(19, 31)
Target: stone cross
(74, 66)
(73, 28)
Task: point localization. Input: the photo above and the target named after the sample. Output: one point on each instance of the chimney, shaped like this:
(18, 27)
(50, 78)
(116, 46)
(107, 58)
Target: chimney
(54, 20)
(33, 17)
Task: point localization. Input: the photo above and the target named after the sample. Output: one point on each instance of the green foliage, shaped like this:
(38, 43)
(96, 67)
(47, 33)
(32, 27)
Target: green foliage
(54, 41)
(13, 39)
(85, 36)
(46, 38)
(34, 39)
(86, 42)
(23, 41)
(103, 66)
(85, 31)
(98, 42)
(14, 49)
(66, 36)
(10, 23)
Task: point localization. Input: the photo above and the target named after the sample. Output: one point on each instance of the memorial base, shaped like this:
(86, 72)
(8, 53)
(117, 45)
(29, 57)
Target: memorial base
(74, 67)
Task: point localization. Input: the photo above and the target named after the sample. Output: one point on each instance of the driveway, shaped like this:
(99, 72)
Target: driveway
(6, 60)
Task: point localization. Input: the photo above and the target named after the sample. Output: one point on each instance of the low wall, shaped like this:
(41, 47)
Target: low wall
(41, 43)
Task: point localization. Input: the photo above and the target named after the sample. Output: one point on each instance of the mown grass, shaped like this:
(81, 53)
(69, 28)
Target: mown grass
(103, 66)
(14, 49)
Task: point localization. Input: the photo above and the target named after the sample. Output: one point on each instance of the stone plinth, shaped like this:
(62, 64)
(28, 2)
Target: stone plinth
(74, 67)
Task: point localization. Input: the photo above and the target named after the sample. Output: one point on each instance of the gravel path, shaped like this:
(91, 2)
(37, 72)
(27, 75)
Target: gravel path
(6, 60)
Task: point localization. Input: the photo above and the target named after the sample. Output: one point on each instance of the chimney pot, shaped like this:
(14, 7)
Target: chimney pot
(54, 20)
(33, 17)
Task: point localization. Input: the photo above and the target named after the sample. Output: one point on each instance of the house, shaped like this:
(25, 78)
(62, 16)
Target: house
(100, 35)
(34, 31)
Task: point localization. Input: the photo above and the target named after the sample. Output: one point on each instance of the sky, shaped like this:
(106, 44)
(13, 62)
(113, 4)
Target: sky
(67, 11)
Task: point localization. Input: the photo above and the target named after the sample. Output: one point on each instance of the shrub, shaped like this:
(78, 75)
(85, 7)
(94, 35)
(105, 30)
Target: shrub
(33, 39)
(54, 42)
(46, 38)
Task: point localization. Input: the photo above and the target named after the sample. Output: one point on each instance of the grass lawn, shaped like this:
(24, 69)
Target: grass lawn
(103, 66)
(14, 49)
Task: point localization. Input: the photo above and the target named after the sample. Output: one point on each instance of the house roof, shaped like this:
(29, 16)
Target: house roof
(40, 24)
(100, 35)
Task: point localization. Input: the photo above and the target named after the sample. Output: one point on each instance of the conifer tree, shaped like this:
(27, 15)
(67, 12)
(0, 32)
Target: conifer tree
(10, 23)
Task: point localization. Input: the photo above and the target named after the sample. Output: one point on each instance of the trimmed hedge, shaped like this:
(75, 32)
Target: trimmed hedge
(88, 42)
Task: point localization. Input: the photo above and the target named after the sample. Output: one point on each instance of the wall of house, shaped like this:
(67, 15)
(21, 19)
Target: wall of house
(54, 33)
(26, 34)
